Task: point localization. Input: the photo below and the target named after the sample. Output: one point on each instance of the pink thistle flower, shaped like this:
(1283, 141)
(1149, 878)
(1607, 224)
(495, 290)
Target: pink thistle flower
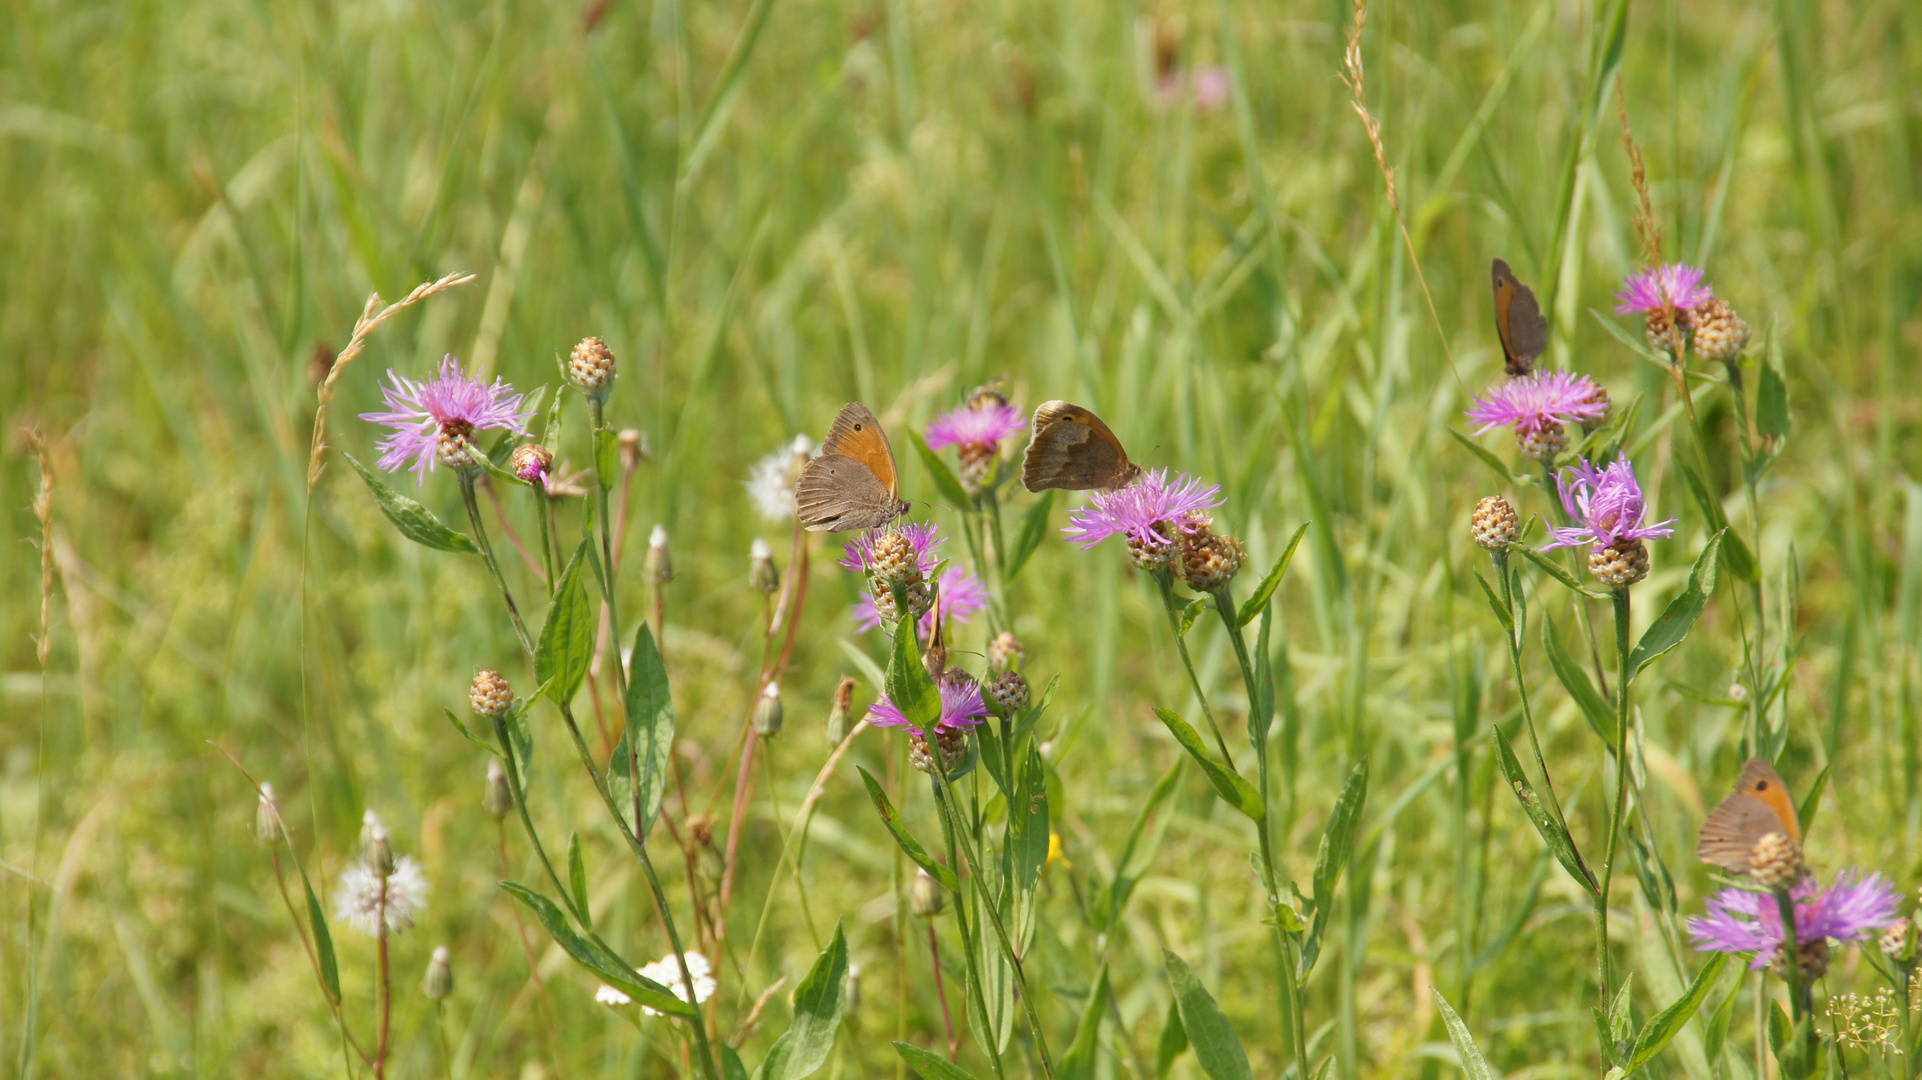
(924, 536)
(975, 427)
(1668, 287)
(1211, 88)
(449, 407)
(1532, 403)
(1136, 509)
(961, 595)
(961, 706)
(1607, 506)
(1741, 921)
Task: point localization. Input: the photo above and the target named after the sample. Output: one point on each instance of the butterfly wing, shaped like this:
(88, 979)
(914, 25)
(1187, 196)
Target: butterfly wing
(838, 492)
(1518, 320)
(1760, 805)
(858, 434)
(1071, 448)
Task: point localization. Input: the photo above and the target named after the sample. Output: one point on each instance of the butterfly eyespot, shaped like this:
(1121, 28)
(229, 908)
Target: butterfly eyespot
(1762, 785)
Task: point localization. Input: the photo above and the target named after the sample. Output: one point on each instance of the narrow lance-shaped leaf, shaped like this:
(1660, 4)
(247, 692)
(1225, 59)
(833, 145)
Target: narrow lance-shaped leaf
(468, 733)
(1193, 611)
(1668, 1023)
(818, 1003)
(1078, 1062)
(1812, 802)
(1557, 571)
(1034, 527)
(909, 685)
(415, 522)
(323, 940)
(944, 479)
(597, 958)
(1234, 790)
(650, 733)
(577, 879)
(567, 638)
(1258, 602)
(1337, 843)
(1552, 832)
(1173, 1040)
(1594, 708)
(1217, 1049)
(1486, 457)
(1471, 1055)
(909, 845)
(1668, 630)
(930, 1066)
(1495, 604)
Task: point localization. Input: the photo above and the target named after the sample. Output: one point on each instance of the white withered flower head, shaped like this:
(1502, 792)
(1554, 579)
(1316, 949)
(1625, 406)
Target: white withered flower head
(770, 482)
(667, 972)
(358, 902)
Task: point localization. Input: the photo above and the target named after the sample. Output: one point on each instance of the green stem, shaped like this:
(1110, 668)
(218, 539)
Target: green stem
(969, 946)
(487, 556)
(1165, 582)
(527, 822)
(1620, 811)
(1791, 957)
(543, 506)
(601, 485)
(1500, 557)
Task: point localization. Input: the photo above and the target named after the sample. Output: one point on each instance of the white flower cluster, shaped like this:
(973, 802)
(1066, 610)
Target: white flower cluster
(667, 972)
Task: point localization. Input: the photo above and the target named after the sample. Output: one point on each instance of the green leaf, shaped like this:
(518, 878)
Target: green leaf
(1668, 1023)
(1595, 708)
(909, 685)
(1553, 833)
(415, 522)
(1558, 572)
(1486, 455)
(519, 737)
(1028, 837)
(1078, 1062)
(1772, 404)
(909, 845)
(607, 457)
(1133, 861)
(323, 941)
(1716, 1035)
(1228, 783)
(1217, 1049)
(1620, 1025)
(468, 733)
(1812, 802)
(1740, 562)
(1034, 526)
(930, 1066)
(567, 638)
(1337, 844)
(598, 958)
(1668, 630)
(1473, 1064)
(650, 733)
(944, 479)
(1634, 342)
(1255, 604)
(1193, 611)
(1174, 1039)
(1495, 604)
(731, 1067)
(818, 1003)
(577, 879)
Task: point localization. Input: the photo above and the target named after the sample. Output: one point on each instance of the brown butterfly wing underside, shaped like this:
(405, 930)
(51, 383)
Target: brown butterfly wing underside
(1759, 805)
(853, 484)
(1071, 448)
(1518, 321)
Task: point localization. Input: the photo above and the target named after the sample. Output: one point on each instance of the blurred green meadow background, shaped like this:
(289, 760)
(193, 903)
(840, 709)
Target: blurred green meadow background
(770, 207)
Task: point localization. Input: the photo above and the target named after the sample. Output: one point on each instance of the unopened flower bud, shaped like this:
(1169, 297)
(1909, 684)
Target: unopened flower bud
(490, 695)
(1543, 443)
(767, 712)
(375, 850)
(762, 573)
(1620, 564)
(498, 797)
(1776, 863)
(633, 448)
(266, 817)
(531, 462)
(1495, 524)
(660, 568)
(841, 711)
(1895, 941)
(369, 825)
(926, 898)
(1008, 693)
(1207, 561)
(591, 367)
(892, 560)
(1005, 652)
(439, 981)
(1720, 334)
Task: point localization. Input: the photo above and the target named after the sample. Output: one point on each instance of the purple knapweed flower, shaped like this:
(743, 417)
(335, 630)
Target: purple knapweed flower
(924, 536)
(448, 408)
(961, 595)
(1532, 403)
(969, 426)
(961, 706)
(1606, 506)
(1668, 287)
(1741, 921)
(1137, 509)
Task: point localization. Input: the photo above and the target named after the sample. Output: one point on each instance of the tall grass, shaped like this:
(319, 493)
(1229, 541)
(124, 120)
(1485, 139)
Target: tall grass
(770, 209)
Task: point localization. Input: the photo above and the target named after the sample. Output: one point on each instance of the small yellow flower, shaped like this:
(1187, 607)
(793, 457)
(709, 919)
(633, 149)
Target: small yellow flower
(1055, 854)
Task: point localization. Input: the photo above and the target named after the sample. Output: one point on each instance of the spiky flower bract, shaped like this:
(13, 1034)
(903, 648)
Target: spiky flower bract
(1606, 505)
(1532, 403)
(985, 426)
(358, 901)
(962, 706)
(450, 404)
(1134, 511)
(1742, 921)
(1668, 287)
(667, 972)
(962, 594)
(858, 555)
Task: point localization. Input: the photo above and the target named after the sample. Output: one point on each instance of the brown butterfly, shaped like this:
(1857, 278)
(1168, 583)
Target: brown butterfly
(1518, 321)
(1071, 448)
(853, 484)
(1760, 805)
